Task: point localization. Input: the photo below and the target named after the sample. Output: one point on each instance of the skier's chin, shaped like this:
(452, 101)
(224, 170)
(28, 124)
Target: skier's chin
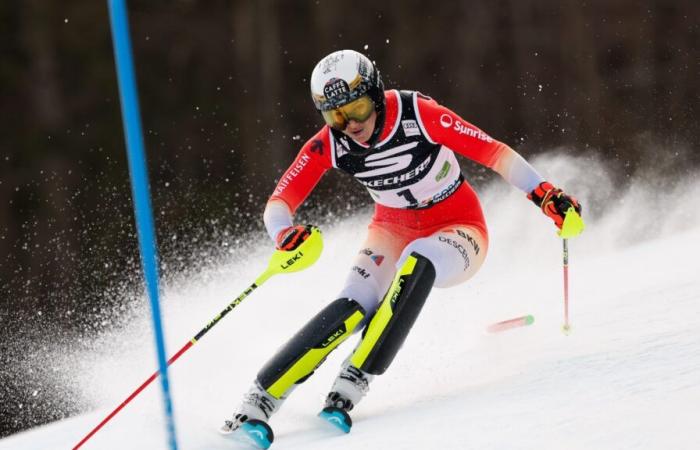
(358, 135)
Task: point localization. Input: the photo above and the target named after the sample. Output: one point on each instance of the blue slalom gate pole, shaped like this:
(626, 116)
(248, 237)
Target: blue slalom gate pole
(133, 133)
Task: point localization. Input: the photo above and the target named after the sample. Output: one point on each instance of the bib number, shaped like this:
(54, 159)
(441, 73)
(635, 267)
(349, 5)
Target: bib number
(408, 196)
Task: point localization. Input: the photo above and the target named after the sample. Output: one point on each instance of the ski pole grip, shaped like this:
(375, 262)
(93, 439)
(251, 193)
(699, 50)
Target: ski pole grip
(298, 259)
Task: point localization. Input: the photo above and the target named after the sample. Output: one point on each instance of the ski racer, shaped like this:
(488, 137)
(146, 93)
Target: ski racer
(428, 229)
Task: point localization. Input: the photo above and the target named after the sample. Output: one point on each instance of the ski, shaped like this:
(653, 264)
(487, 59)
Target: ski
(337, 417)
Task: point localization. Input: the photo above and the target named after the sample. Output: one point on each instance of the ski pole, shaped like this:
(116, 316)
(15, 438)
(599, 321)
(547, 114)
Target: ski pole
(566, 328)
(573, 226)
(280, 262)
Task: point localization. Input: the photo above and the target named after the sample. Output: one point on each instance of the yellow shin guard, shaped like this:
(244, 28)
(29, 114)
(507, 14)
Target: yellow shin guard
(396, 315)
(298, 359)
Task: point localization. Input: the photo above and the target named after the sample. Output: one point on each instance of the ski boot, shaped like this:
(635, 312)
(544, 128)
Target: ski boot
(348, 389)
(249, 422)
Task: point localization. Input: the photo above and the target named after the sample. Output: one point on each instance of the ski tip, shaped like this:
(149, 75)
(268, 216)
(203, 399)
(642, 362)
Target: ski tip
(509, 324)
(258, 433)
(337, 417)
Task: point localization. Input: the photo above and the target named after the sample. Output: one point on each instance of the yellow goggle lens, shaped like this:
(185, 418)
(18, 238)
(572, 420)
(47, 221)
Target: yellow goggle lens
(358, 110)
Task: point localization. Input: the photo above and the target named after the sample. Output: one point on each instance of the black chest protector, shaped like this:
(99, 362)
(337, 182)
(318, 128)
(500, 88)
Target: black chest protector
(405, 170)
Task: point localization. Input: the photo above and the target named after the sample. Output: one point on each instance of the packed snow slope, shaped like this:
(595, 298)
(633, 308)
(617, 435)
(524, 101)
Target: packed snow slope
(627, 377)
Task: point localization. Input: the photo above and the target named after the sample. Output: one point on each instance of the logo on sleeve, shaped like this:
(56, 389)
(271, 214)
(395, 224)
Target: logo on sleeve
(446, 120)
(292, 173)
(410, 128)
(317, 146)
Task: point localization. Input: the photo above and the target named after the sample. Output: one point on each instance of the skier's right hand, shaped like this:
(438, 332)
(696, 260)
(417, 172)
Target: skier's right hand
(292, 237)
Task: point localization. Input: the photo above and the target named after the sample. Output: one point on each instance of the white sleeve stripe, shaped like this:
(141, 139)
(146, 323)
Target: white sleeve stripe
(276, 217)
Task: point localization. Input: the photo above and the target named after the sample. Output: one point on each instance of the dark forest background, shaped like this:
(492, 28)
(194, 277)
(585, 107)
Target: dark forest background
(225, 105)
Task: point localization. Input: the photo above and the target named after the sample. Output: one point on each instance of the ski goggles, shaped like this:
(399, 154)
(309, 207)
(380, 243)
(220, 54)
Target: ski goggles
(358, 110)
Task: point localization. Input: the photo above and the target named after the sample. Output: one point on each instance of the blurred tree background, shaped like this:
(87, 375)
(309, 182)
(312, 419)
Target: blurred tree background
(225, 105)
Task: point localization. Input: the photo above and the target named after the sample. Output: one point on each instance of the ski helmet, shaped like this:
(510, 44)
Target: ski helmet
(343, 77)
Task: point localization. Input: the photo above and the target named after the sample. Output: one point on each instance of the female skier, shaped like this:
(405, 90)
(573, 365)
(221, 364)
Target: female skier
(427, 230)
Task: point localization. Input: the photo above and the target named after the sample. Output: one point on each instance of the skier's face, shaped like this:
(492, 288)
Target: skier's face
(361, 131)
(353, 119)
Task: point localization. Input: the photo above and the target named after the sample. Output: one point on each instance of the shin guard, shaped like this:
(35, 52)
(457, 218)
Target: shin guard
(396, 315)
(298, 359)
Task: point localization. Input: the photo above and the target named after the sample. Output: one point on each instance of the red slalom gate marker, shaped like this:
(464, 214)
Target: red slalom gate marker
(511, 323)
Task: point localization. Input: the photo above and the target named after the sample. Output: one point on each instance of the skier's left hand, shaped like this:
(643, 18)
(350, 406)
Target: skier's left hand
(553, 202)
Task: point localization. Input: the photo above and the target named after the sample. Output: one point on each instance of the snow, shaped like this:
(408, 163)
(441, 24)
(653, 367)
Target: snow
(627, 377)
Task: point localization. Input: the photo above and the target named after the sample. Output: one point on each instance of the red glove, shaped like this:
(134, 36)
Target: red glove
(553, 202)
(290, 238)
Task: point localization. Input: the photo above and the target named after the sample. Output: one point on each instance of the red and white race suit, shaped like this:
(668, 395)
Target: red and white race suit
(423, 203)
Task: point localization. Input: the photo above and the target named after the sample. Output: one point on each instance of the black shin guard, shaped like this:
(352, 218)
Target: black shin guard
(298, 359)
(396, 315)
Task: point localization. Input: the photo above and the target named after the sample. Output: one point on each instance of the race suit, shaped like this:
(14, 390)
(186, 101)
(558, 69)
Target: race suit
(422, 202)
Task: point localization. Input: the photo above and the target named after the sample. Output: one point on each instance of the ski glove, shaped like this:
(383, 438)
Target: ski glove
(291, 237)
(553, 202)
